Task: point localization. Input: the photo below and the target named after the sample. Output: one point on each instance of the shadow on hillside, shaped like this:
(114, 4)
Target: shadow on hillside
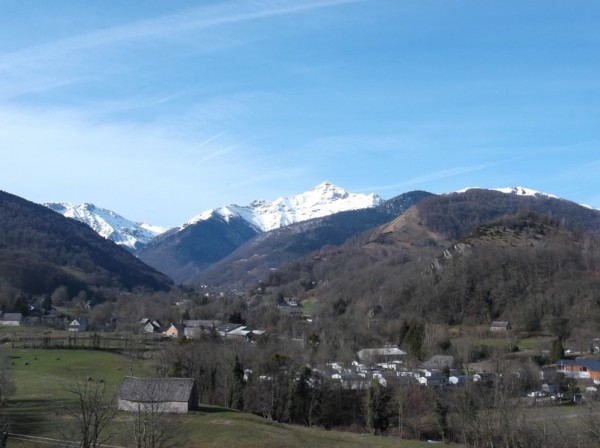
(29, 416)
(206, 409)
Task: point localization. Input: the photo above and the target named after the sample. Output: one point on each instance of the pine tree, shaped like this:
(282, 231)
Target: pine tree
(557, 350)
(236, 390)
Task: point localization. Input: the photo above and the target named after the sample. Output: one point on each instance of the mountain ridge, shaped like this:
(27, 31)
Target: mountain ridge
(108, 223)
(41, 250)
(322, 200)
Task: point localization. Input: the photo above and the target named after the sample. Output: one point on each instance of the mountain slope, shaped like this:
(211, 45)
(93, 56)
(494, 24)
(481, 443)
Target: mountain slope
(181, 254)
(263, 253)
(323, 200)
(209, 237)
(455, 214)
(41, 250)
(390, 267)
(109, 224)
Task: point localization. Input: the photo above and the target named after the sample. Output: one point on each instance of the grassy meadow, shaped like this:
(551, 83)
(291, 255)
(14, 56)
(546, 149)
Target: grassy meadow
(42, 376)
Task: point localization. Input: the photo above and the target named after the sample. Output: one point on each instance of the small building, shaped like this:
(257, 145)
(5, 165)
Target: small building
(225, 329)
(435, 380)
(386, 354)
(246, 333)
(175, 331)
(11, 319)
(162, 395)
(151, 326)
(80, 324)
(500, 326)
(579, 368)
(458, 380)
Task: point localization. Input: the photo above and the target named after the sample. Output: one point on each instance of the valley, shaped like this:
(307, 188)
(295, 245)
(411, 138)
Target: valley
(470, 305)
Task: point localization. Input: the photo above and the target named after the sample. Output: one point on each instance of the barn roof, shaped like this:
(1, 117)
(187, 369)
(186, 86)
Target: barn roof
(156, 390)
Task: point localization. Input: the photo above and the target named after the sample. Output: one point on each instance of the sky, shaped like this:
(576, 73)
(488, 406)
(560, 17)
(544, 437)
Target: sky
(160, 110)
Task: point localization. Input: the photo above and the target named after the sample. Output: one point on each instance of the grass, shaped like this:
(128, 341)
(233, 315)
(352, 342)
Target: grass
(40, 377)
(43, 374)
(536, 343)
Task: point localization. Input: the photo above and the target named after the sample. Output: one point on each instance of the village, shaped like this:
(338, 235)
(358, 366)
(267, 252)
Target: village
(567, 380)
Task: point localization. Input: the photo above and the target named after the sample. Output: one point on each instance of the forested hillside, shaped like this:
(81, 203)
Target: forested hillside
(445, 262)
(41, 250)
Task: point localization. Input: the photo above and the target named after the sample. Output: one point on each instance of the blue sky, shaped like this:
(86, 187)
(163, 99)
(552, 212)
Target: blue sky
(159, 110)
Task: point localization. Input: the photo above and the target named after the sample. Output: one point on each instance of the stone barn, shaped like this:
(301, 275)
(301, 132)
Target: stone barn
(163, 395)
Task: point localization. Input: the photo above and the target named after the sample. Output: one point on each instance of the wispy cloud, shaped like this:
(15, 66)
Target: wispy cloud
(191, 19)
(429, 177)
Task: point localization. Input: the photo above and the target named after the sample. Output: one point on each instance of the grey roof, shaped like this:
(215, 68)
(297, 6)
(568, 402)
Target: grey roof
(383, 351)
(500, 324)
(208, 324)
(12, 316)
(156, 390)
(226, 328)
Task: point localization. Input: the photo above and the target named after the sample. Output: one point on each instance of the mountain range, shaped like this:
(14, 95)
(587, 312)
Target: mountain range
(109, 224)
(238, 244)
(466, 257)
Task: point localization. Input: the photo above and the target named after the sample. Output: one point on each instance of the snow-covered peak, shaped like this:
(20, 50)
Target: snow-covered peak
(517, 191)
(109, 224)
(522, 191)
(322, 200)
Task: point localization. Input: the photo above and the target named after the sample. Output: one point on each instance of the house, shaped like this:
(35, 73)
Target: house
(163, 395)
(435, 380)
(80, 324)
(150, 326)
(386, 354)
(175, 331)
(291, 307)
(458, 380)
(11, 319)
(224, 329)
(247, 333)
(579, 368)
(500, 326)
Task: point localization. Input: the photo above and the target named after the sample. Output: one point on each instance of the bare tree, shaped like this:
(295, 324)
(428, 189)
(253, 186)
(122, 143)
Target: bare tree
(93, 410)
(7, 388)
(150, 426)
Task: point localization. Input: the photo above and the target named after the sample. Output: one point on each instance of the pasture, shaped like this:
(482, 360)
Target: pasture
(42, 377)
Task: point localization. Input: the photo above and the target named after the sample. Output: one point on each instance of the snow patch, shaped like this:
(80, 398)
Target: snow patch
(322, 200)
(109, 224)
(518, 191)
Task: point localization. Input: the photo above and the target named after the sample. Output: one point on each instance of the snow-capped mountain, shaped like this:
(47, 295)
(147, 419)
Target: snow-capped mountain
(517, 191)
(323, 200)
(109, 224)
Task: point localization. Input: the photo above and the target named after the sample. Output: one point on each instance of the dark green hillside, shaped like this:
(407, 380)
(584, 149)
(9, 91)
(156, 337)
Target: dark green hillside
(41, 250)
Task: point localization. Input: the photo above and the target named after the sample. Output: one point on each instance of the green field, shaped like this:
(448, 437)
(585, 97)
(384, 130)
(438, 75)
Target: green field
(41, 377)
